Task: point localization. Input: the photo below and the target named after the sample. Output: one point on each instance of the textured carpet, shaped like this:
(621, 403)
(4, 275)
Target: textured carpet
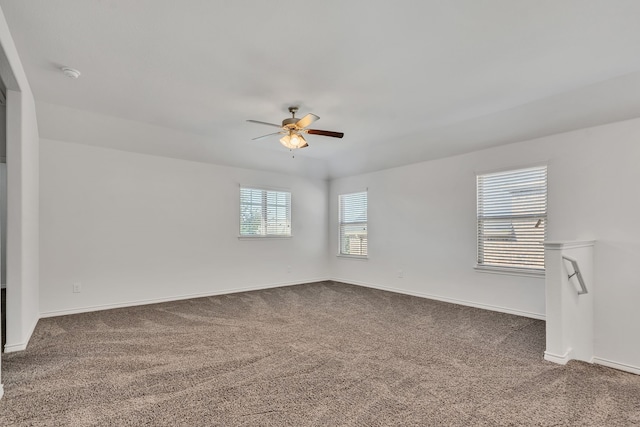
(322, 354)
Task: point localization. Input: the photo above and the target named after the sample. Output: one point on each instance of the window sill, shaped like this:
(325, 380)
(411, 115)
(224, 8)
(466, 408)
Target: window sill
(540, 274)
(359, 257)
(263, 237)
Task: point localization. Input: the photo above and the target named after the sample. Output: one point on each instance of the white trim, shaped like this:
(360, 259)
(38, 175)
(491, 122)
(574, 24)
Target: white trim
(1, 391)
(10, 348)
(56, 313)
(539, 274)
(513, 167)
(360, 257)
(265, 187)
(366, 190)
(266, 236)
(558, 245)
(556, 358)
(489, 307)
(616, 365)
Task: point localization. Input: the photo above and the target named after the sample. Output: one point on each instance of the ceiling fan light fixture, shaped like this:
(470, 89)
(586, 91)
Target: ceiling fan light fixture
(286, 141)
(293, 141)
(292, 128)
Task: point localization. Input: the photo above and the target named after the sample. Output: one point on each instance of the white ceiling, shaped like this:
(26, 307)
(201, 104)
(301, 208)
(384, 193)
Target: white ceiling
(405, 80)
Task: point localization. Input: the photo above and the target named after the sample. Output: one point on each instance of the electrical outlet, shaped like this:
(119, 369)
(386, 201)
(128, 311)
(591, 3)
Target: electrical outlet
(400, 274)
(77, 287)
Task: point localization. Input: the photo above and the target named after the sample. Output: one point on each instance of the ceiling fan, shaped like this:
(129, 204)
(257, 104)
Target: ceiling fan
(292, 128)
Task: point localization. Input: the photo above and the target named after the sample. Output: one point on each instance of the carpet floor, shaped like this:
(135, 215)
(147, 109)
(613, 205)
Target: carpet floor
(320, 354)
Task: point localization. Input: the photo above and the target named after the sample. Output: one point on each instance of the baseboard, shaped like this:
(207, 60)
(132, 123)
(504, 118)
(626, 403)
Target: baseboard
(446, 299)
(616, 365)
(11, 348)
(101, 307)
(556, 358)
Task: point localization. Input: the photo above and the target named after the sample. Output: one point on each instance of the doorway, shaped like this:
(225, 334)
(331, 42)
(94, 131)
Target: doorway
(3, 219)
(3, 246)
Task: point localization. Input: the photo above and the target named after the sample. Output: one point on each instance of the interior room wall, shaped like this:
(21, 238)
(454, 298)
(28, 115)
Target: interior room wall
(22, 197)
(422, 221)
(22, 220)
(3, 131)
(134, 228)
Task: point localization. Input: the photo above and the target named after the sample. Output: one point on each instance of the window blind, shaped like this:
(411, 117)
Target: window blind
(512, 217)
(264, 212)
(353, 224)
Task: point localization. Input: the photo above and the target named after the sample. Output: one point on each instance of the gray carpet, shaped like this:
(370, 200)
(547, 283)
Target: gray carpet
(322, 354)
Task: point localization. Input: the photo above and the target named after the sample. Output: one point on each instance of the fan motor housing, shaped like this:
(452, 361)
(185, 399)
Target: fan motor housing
(290, 122)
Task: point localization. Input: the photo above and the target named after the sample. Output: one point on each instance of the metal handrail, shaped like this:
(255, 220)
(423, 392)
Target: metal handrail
(578, 274)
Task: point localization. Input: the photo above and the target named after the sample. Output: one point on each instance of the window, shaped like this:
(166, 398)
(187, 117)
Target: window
(512, 216)
(264, 213)
(353, 224)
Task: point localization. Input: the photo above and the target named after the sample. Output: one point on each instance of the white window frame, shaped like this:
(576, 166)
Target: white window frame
(532, 213)
(264, 206)
(343, 223)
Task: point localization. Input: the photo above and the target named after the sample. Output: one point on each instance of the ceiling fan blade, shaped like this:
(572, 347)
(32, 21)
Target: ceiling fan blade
(264, 123)
(266, 136)
(324, 133)
(306, 120)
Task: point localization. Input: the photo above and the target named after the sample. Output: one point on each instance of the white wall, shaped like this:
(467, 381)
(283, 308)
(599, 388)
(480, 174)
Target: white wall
(3, 131)
(22, 197)
(422, 220)
(134, 228)
(22, 220)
